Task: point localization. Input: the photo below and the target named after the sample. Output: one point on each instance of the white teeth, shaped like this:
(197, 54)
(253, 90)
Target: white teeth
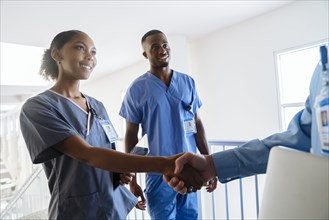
(87, 67)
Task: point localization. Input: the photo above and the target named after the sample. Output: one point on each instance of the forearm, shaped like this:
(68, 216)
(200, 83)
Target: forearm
(111, 160)
(131, 136)
(120, 162)
(202, 144)
(246, 160)
(298, 134)
(130, 142)
(200, 139)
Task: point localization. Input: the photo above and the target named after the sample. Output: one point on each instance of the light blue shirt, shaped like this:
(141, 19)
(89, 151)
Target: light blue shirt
(162, 110)
(251, 158)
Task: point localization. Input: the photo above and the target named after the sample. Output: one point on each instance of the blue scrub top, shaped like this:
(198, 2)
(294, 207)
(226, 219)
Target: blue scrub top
(302, 134)
(162, 110)
(78, 191)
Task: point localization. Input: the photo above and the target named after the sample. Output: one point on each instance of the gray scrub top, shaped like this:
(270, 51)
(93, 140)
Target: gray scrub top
(78, 191)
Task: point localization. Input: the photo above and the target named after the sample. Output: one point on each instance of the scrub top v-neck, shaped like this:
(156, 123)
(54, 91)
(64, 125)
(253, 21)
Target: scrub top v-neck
(78, 191)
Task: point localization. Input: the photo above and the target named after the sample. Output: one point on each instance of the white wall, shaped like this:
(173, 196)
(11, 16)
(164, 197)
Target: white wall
(234, 70)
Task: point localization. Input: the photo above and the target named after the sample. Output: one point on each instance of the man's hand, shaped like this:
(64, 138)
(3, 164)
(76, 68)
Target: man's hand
(202, 164)
(189, 175)
(126, 178)
(212, 185)
(138, 192)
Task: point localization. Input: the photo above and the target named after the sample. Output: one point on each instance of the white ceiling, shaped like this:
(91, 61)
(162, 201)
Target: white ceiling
(117, 26)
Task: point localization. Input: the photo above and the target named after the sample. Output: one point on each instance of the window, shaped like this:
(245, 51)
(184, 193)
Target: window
(294, 70)
(20, 65)
(19, 74)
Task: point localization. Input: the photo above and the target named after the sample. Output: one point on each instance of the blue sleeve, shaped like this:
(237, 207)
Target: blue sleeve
(245, 160)
(41, 128)
(251, 158)
(129, 107)
(298, 134)
(196, 98)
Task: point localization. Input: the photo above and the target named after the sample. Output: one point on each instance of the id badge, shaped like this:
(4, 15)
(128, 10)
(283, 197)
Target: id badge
(189, 125)
(109, 130)
(321, 106)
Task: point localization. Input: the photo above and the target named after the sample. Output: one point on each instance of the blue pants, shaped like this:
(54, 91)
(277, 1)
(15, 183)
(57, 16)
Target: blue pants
(164, 203)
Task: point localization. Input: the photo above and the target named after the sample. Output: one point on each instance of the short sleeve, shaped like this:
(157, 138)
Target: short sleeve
(129, 107)
(42, 126)
(197, 103)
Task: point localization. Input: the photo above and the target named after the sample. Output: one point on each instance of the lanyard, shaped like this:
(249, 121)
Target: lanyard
(90, 113)
(107, 126)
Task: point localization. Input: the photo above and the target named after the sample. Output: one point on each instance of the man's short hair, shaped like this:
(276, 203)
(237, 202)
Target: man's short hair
(149, 33)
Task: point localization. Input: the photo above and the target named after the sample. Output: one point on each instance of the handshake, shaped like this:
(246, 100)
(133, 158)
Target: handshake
(191, 172)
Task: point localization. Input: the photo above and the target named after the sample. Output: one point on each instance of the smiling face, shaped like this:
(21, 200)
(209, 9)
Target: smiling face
(77, 58)
(157, 50)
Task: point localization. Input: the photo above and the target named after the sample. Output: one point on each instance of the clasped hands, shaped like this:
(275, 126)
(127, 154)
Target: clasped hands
(192, 171)
(186, 173)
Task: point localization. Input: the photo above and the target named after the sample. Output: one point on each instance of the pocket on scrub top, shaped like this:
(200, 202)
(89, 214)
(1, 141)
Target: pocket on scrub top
(81, 207)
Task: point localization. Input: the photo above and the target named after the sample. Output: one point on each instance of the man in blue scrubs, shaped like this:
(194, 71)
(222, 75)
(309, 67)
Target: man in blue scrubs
(307, 132)
(165, 103)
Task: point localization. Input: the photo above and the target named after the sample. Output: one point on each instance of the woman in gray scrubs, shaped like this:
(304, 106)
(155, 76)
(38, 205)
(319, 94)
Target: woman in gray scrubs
(71, 134)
